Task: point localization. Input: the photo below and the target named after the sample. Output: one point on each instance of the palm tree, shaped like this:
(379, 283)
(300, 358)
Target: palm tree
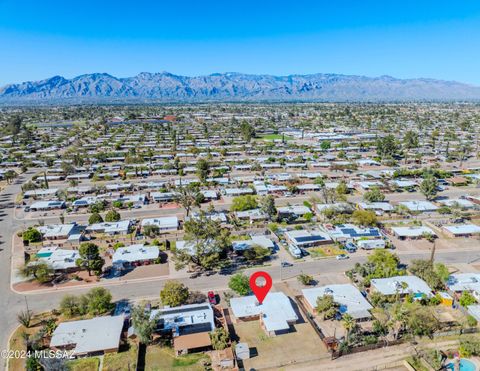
(188, 197)
(349, 324)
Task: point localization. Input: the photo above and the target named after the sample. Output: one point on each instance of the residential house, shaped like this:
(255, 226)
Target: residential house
(93, 336)
(349, 298)
(276, 313)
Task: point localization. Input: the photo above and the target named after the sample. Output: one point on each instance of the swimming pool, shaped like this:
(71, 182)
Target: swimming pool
(465, 365)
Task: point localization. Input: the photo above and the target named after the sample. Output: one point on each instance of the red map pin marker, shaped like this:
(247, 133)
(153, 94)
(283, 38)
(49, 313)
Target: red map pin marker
(260, 291)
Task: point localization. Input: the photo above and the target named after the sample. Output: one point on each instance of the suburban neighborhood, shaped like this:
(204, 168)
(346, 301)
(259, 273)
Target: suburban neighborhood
(129, 235)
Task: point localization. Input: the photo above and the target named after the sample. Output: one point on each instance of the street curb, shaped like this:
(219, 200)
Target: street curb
(8, 346)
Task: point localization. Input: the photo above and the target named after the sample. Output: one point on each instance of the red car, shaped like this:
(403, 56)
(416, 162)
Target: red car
(212, 298)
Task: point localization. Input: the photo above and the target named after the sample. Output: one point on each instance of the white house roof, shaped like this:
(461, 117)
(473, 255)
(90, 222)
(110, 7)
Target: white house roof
(336, 206)
(167, 222)
(237, 191)
(61, 259)
(458, 201)
(111, 227)
(185, 315)
(404, 183)
(350, 299)
(255, 240)
(276, 310)
(392, 285)
(384, 206)
(464, 282)
(463, 229)
(252, 214)
(135, 253)
(56, 230)
(294, 209)
(47, 204)
(412, 231)
(419, 205)
(90, 335)
(41, 192)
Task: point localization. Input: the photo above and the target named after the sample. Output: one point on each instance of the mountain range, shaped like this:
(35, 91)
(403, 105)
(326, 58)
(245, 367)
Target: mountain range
(231, 87)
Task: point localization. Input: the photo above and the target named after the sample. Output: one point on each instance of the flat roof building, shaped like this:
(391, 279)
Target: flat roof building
(99, 334)
(349, 298)
(276, 313)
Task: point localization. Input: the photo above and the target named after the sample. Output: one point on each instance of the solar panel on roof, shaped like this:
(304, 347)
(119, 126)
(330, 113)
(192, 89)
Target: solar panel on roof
(351, 232)
(309, 238)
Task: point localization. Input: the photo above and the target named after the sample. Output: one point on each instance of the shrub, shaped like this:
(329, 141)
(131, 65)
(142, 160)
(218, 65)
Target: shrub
(240, 284)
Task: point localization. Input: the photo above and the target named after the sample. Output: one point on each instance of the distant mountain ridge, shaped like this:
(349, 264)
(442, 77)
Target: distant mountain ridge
(223, 87)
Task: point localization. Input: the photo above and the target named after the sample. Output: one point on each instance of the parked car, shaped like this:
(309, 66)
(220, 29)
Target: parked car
(350, 247)
(212, 298)
(342, 257)
(286, 264)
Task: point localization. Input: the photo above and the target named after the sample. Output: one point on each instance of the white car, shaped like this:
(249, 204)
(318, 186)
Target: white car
(342, 257)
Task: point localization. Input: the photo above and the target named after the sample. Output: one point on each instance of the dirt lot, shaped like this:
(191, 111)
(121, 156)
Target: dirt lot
(302, 345)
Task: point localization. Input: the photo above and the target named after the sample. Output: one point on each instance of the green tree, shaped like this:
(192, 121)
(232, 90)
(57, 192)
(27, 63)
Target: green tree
(14, 127)
(203, 169)
(429, 187)
(99, 301)
(325, 145)
(429, 272)
(112, 216)
(349, 324)
(267, 205)
(144, 325)
(247, 131)
(469, 346)
(305, 279)
(383, 264)
(242, 203)
(189, 197)
(32, 235)
(219, 338)
(418, 320)
(387, 146)
(174, 294)
(257, 253)
(342, 188)
(365, 217)
(70, 305)
(410, 141)
(467, 299)
(41, 271)
(90, 258)
(95, 218)
(206, 243)
(374, 195)
(151, 230)
(326, 306)
(240, 283)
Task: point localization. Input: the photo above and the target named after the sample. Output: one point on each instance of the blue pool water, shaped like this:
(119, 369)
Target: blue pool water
(465, 365)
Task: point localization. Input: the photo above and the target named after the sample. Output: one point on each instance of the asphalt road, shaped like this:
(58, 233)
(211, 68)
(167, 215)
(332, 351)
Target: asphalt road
(12, 303)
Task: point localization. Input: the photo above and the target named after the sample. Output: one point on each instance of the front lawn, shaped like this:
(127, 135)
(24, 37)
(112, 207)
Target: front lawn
(83, 364)
(325, 251)
(163, 359)
(125, 359)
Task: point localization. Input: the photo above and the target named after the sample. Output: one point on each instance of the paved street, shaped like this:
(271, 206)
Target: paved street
(11, 303)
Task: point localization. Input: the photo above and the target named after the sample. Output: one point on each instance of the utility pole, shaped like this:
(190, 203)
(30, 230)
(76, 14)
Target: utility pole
(26, 304)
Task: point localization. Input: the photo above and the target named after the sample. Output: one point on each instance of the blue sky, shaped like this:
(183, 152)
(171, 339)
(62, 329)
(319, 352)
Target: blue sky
(422, 38)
